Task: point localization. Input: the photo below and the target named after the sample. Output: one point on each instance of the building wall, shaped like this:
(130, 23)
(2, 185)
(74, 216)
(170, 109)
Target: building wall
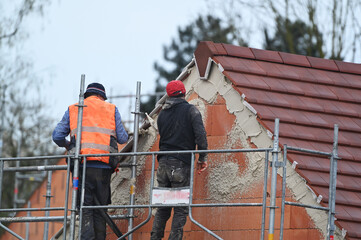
(230, 123)
(236, 177)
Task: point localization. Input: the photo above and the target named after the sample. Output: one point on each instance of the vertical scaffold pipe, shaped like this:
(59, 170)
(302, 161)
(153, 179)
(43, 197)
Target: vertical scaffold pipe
(2, 122)
(16, 183)
(76, 158)
(273, 181)
(47, 205)
(134, 162)
(264, 200)
(1, 179)
(283, 190)
(332, 187)
(27, 228)
(66, 199)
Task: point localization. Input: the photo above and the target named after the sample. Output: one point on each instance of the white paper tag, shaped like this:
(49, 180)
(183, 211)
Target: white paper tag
(169, 196)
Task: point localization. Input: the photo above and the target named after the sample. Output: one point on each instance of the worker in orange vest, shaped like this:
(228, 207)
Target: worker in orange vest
(101, 130)
(180, 128)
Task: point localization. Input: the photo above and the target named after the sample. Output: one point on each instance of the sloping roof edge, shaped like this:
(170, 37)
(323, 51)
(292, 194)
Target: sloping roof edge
(207, 50)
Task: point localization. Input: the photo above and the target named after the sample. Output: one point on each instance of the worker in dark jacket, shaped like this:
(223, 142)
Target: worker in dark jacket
(102, 128)
(180, 128)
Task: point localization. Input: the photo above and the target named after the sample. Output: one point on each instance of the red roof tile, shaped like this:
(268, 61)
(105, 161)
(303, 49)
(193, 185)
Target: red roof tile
(351, 79)
(220, 49)
(266, 55)
(309, 95)
(236, 51)
(293, 59)
(323, 63)
(348, 67)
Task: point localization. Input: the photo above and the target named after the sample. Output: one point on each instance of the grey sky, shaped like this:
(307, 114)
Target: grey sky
(113, 42)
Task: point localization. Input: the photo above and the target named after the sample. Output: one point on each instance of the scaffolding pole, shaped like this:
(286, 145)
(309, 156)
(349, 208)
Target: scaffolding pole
(134, 161)
(264, 200)
(27, 230)
(47, 205)
(191, 201)
(82, 196)
(273, 181)
(11, 232)
(77, 158)
(2, 123)
(283, 190)
(1, 179)
(16, 183)
(65, 223)
(332, 188)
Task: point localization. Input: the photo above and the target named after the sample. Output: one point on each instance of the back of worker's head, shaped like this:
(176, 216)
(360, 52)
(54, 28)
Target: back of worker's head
(175, 88)
(95, 89)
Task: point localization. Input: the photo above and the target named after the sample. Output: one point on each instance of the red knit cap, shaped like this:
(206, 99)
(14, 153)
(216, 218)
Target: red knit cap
(175, 88)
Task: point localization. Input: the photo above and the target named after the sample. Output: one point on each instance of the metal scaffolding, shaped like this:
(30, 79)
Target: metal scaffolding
(76, 215)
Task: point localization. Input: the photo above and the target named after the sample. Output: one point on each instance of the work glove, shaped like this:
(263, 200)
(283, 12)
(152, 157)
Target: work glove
(201, 166)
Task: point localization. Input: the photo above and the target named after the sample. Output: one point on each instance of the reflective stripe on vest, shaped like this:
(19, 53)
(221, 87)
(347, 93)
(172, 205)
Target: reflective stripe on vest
(97, 128)
(98, 146)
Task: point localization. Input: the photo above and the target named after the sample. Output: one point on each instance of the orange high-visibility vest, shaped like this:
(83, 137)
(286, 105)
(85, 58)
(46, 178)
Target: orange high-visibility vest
(97, 128)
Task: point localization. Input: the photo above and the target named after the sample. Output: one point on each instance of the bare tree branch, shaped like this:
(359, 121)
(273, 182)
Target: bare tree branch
(26, 7)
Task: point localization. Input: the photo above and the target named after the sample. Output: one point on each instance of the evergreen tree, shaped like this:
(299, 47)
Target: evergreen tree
(180, 51)
(295, 37)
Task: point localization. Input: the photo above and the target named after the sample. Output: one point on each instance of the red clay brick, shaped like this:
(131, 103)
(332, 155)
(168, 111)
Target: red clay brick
(314, 234)
(216, 142)
(221, 120)
(192, 97)
(220, 101)
(299, 218)
(148, 163)
(200, 189)
(208, 122)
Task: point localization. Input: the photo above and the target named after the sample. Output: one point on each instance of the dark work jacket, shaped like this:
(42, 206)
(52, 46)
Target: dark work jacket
(181, 128)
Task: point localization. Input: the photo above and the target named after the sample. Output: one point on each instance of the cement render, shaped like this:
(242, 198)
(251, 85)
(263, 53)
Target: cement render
(225, 179)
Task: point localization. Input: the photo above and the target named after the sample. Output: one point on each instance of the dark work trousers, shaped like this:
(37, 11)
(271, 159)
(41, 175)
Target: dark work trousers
(97, 182)
(171, 173)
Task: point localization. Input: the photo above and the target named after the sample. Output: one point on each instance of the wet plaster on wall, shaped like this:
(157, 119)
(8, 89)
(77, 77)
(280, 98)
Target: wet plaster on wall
(120, 182)
(225, 180)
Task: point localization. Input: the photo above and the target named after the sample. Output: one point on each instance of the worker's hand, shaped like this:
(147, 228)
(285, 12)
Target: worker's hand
(201, 166)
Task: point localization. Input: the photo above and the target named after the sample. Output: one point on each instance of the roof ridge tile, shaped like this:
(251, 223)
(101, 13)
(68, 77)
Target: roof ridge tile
(277, 57)
(267, 55)
(238, 51)
(322, 63)
(294, 59)
(220, 49)
(348, 67)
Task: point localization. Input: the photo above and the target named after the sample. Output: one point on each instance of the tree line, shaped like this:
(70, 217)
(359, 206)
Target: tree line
(318, 28)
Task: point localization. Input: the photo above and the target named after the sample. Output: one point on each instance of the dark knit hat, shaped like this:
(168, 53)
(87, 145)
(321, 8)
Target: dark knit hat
(96, 88)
